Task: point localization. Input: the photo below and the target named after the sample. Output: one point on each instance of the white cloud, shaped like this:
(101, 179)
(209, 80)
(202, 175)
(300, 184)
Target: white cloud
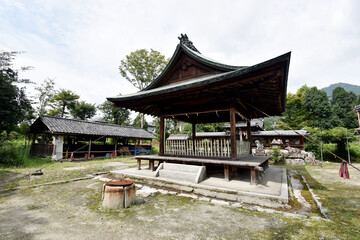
(81, 43)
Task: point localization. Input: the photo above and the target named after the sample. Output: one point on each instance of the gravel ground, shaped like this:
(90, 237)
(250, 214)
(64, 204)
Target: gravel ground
(73, 211)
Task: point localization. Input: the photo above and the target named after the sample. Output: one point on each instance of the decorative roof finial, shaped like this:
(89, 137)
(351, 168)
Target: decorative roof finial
(185, 41)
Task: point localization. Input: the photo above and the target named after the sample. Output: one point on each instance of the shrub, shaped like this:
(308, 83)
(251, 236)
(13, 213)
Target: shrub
(276, 155)
(13, 153)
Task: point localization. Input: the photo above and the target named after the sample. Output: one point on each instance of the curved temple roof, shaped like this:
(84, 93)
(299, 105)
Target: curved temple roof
(194, 88)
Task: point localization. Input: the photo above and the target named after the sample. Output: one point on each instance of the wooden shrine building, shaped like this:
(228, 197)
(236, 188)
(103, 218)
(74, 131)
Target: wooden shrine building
(59, 137)
(195, 89)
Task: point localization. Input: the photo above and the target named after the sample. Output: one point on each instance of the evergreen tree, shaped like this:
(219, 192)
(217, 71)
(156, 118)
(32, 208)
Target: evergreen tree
(15, 107)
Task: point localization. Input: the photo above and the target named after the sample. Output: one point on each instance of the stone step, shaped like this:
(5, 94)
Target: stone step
(181, 171)
(181, 167)
(177, 175)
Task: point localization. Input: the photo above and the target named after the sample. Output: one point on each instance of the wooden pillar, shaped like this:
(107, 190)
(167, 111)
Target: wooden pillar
(162, 136)
(252, 176)
(116, 143)
(358, 114)
(248, 129)
(89, 150)
(139, 164)
(226, 173)
(193, 136)
(151, 146)
(233, 133)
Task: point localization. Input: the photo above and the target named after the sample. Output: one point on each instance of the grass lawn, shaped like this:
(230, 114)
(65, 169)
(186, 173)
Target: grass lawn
(56, 171)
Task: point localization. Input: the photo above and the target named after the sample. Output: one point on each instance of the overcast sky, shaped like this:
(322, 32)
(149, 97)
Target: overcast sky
(80, 43)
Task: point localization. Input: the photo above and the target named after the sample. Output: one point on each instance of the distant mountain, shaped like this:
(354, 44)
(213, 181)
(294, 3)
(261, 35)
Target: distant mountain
(348, 87)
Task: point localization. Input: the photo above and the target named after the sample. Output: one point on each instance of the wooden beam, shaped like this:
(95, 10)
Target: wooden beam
(233, 133)
(162, 136)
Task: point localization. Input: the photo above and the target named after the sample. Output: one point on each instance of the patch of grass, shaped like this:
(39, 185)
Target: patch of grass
(34, 207)
(339, 197)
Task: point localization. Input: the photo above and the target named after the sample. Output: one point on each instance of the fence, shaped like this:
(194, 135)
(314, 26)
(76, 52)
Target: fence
(205, 147)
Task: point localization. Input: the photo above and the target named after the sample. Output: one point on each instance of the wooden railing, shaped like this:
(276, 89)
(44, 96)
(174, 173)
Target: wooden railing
(205, 147)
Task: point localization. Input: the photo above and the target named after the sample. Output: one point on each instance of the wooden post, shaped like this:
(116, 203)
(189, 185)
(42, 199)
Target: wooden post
(248, 129)
(233, 133)
(139, 164)
(226, 173)
(193, 136)
(252, 176)
(89, 151)
(116, 142)
(162, 136)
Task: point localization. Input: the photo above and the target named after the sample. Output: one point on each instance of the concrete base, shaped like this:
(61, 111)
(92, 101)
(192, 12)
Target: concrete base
(181, 171)
(271, 191)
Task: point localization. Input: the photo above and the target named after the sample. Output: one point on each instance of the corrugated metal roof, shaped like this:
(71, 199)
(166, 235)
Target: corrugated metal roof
(280, 133)
(57, 125)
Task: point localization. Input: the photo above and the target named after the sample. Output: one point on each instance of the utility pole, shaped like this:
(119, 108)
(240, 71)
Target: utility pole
(321, 149)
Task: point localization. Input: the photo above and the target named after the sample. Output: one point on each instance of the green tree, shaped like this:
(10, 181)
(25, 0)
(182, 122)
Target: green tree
(296, 115)
(115, 115)
(343, 103)
(338, 135)
(45, 94)
(15, 107)
(63, 102)
(319, 110)
(83, 110)
(139, 123)
(141, 67)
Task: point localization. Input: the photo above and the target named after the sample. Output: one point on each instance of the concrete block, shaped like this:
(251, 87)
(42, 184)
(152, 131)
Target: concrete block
(162, 191)
(220, 202)
(204, 192)
(237, 205)
(181, 167)
(204, 199)
(188, 176)
(182, 188)
(146, 191)
(181, 171)
(226, 196)
(187, 195)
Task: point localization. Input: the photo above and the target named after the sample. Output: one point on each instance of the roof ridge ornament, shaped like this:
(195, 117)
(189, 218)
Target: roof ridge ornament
(185, 41)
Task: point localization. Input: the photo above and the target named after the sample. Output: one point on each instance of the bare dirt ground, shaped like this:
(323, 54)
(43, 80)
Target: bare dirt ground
(73, 211)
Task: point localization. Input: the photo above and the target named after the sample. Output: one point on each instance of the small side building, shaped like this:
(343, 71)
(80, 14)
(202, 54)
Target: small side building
(59, 137)
(284, 138)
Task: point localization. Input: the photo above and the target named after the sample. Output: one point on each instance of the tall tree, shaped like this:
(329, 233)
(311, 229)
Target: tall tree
(141, 67)
(45, 94)
(83, 110)
(63, 102)
(119, 116)
(343, 103)
(15, 107)
(296, 114)
(319, 109)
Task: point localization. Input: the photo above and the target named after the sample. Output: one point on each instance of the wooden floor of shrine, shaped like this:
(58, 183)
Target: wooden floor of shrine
(256, 164)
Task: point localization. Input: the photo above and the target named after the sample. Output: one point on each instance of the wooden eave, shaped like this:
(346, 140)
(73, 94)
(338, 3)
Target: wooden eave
(208, 98)
(187, 64)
